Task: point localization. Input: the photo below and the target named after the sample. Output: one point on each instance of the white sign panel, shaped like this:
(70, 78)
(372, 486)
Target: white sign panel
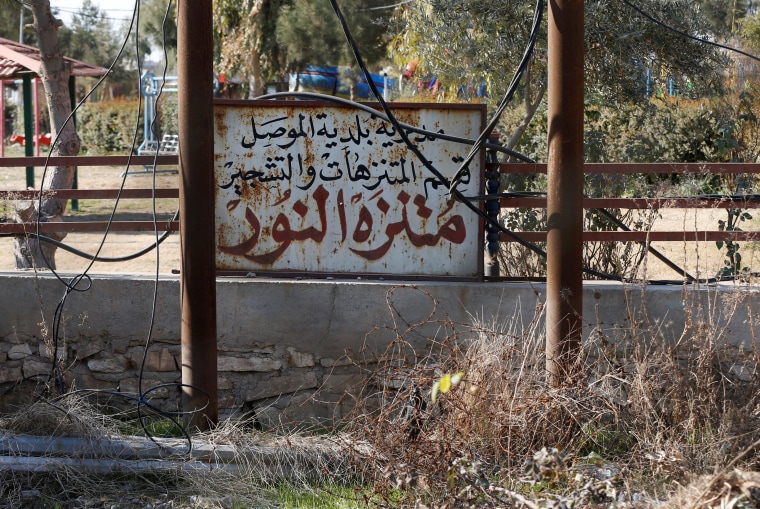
(304, 186)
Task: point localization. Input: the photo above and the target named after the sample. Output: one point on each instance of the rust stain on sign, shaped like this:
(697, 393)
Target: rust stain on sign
(315, 187)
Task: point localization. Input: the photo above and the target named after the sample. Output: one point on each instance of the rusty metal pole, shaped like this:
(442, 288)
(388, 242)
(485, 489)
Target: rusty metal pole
(564, 290)
(196, 201)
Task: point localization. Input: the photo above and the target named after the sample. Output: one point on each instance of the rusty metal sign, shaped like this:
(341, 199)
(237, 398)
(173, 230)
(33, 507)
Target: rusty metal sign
(311, 187)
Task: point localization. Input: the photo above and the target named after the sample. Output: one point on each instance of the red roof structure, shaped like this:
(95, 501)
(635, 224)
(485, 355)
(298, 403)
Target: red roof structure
(18, 59)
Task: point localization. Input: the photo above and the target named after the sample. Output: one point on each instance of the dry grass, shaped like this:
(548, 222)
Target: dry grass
(647, 416)
(105, 467)
(651, 423)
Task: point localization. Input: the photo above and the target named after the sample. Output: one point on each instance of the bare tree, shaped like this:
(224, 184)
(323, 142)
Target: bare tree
(54, 72)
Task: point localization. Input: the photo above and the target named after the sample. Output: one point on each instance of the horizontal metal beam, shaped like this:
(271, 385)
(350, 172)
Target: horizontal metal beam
(643, 236)
(638, 203)
(39, 162)
(89, 227)
(101, 194)
(647, 168)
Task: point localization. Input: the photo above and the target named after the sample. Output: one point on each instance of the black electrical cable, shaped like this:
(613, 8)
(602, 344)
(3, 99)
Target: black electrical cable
(95, 257)
(135, 18)
(620, 224)
(413, 148)
(502, 229)
(408, 127)
(74, 285)
(483, 136)
(511, 90)
(481, 140)
(106, 259)
(687, 35)
(144, 394)
(611, 216)
(391, 118)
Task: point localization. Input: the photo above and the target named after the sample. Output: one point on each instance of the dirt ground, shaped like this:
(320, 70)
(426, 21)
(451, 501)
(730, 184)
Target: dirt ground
(114, 244)
(700, 259)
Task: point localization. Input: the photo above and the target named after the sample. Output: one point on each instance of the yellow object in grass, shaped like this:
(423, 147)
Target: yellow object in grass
(445, 384)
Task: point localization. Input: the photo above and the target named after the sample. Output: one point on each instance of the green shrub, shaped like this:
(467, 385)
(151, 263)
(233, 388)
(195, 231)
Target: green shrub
(168, 116)
(109, 126)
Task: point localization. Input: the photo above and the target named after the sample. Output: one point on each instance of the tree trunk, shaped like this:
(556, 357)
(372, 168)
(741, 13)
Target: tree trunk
(531, 106)
(255, 79)
(54, 72)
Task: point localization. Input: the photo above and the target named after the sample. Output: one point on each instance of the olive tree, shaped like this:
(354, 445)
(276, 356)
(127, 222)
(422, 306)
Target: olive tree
(310, 33)
(461, 41)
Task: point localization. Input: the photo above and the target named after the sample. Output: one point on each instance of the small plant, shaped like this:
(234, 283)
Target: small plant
(733, 259)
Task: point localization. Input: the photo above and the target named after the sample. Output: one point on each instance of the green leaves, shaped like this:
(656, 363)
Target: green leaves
(732, 264)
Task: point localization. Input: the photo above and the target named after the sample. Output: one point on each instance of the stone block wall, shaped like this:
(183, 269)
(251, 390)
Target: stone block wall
(289, 351)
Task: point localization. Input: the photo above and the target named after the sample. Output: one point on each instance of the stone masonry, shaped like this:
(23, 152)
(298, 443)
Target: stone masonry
(288, 351)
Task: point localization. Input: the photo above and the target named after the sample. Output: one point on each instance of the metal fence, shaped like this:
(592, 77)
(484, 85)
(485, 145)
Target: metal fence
(492, 206)
(723, 202)
(82, 194)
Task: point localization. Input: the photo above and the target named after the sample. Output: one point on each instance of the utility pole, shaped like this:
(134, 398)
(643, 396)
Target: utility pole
(564, 289)
(196, 202)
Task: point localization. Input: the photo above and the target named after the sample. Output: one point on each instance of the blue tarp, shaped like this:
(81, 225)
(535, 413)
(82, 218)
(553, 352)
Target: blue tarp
(334, 80)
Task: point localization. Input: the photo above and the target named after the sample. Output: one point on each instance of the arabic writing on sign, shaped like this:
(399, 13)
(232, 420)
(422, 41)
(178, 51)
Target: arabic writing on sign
(273, 132)
(342, 157)
(362, 230)
(321, 188)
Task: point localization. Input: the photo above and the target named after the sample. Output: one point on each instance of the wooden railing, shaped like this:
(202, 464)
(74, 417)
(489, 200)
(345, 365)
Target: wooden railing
(736, 202)
(82, 194)
(493, 171)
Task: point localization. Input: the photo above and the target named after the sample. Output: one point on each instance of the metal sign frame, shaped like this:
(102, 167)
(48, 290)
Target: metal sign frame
(337, 184)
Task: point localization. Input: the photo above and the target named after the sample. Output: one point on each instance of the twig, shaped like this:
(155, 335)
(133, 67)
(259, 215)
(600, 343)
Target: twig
(717, 476)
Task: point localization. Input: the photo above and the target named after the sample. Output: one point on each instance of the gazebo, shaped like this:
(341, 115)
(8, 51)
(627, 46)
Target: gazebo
(22, 62)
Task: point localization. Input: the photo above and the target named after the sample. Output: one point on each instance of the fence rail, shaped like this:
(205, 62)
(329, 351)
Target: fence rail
(493, 171)
(74, 226)
(508, 201)
(633, 168)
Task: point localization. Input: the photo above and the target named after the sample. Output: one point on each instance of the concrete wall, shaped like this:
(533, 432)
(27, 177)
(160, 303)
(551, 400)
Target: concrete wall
(281, 341)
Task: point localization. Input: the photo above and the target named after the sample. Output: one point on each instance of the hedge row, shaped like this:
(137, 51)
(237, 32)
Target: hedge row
(109, 126)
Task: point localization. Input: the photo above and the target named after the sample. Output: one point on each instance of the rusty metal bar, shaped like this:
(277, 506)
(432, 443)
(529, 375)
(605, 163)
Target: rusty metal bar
(90, 226)
(564, 289)
(28, 135)
(603, 236)
(91, 194)
(38, 162)
(642, 236)
(646, 168)
(2, 118)
(196, 156)
(638, 203)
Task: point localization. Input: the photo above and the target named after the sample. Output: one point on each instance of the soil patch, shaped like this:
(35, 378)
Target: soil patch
(115, 244)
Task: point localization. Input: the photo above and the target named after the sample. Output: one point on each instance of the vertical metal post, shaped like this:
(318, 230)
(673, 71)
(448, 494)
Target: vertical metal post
(564, 300)
(36, 95)
(26, 87)
(3, 134)
(196, 195)
(73, 99)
